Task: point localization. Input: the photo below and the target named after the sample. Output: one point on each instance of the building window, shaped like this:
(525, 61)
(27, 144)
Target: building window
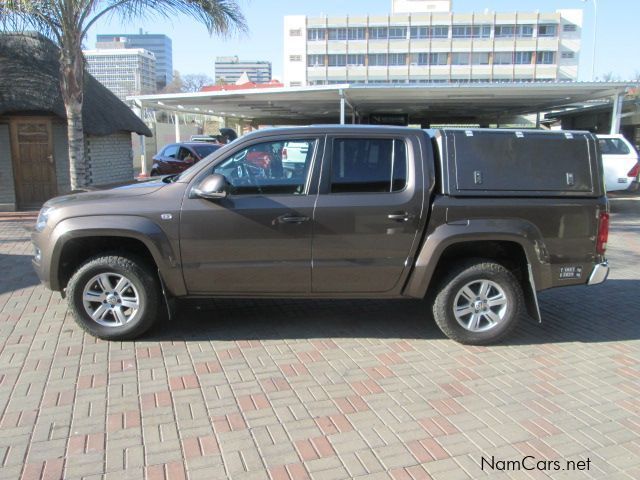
(377, 59)
(546, 58)
(569, 27)
(460, 58)
(480, 58)
(397, 59)
(356, 33)
(503, 58)
(439, 31)
(523, 58)
(549, 30)
(471, 31)
(355, 59)
(420, 59)
(295, 58)
(568, 54)
(314, 34)
(440, 58)
(398, 33)
(374, 165)
(524, 31)
(339, 60)
(378, 33)
(295, 33)
(315, 60)
(505, 31)
(419, 32)
(337, 34)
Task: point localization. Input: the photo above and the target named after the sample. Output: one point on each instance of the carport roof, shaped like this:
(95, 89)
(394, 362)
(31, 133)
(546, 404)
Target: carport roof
(424, 103)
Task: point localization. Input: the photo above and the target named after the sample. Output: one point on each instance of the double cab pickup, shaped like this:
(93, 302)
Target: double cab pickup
(475, 222)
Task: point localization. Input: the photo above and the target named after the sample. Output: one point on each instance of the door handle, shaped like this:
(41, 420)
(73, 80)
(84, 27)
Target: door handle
(400, 217)
(292, 219)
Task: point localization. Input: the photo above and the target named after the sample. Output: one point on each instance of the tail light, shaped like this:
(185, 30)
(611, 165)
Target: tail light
(635, 171)
(603, 233)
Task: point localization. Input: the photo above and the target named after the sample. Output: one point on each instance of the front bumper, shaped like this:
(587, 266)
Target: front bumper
(39, 260)
(599, 273)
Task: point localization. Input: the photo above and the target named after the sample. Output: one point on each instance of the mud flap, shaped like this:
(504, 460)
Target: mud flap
(531, 297)
(169, 301)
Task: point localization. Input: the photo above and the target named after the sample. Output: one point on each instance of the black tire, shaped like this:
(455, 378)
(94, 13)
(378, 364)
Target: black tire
(154, 173)
(464, 274)
(145, 282)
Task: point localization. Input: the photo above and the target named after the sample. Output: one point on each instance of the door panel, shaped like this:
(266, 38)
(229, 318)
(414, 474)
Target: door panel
(366, 223)
(34, 167)
(258, 239)
(245, 245)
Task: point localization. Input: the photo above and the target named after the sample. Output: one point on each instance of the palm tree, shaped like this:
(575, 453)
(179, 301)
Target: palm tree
(67, 22)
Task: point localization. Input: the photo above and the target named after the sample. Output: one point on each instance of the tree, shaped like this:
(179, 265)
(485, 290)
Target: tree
(67, 22)
(195, 81)
(610, 77)
(176, 84)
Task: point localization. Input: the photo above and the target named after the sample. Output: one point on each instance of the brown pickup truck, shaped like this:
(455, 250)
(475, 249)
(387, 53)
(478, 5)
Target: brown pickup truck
(475, 221)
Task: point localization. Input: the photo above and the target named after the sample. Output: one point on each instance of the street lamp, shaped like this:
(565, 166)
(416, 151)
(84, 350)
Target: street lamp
(595, 36)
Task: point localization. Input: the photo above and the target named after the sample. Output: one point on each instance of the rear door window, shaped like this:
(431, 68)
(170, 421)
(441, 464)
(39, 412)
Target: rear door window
(613, 146)
(368, 165)
(204, 150)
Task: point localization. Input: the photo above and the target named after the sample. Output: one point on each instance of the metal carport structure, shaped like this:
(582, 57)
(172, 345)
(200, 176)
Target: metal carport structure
(436, 103)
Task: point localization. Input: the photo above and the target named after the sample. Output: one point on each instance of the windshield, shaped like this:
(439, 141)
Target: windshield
(204, 150)
(613, 146)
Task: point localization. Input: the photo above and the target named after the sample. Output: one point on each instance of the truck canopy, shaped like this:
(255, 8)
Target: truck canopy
(493, 162)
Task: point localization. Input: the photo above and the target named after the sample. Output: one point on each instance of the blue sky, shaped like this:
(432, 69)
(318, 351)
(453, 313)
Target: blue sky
(194, 50)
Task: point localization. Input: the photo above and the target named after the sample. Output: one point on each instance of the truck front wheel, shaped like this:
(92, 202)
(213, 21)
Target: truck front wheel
(479, 302)
(114, 297)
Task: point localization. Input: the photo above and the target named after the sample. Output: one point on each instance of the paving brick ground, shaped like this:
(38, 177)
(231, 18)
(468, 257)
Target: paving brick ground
(320, 389)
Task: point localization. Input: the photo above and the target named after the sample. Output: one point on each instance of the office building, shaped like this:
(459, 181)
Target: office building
(124, 71)
(424, 41)
(230, 69)
(160, 45)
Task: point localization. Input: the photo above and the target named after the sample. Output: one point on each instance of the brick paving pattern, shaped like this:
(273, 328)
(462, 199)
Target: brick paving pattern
(323, 390)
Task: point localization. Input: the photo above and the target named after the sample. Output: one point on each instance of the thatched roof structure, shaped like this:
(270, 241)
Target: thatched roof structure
(29, 82)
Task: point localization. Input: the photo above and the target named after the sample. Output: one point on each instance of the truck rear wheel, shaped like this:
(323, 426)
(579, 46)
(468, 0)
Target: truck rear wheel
(478, 303)
(114, 297)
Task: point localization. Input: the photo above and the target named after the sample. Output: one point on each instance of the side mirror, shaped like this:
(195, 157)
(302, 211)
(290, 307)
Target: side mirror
(212, 187)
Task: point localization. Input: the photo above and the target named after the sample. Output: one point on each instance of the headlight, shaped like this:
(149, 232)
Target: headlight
(43, 218)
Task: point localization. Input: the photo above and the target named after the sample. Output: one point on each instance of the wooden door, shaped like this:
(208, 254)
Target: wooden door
(34, 169)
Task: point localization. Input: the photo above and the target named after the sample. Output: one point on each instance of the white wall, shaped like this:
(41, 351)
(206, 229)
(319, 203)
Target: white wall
(420, 6)
(570, 41)
(295, 71)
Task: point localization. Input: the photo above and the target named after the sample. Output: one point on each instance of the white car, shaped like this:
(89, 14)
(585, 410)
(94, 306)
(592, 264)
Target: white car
(620, 162)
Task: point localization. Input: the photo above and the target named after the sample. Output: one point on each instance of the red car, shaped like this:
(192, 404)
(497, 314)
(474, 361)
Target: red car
(177, 157)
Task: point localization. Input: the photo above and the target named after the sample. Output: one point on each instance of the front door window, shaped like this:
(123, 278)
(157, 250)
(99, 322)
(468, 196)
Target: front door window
(278, 167)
